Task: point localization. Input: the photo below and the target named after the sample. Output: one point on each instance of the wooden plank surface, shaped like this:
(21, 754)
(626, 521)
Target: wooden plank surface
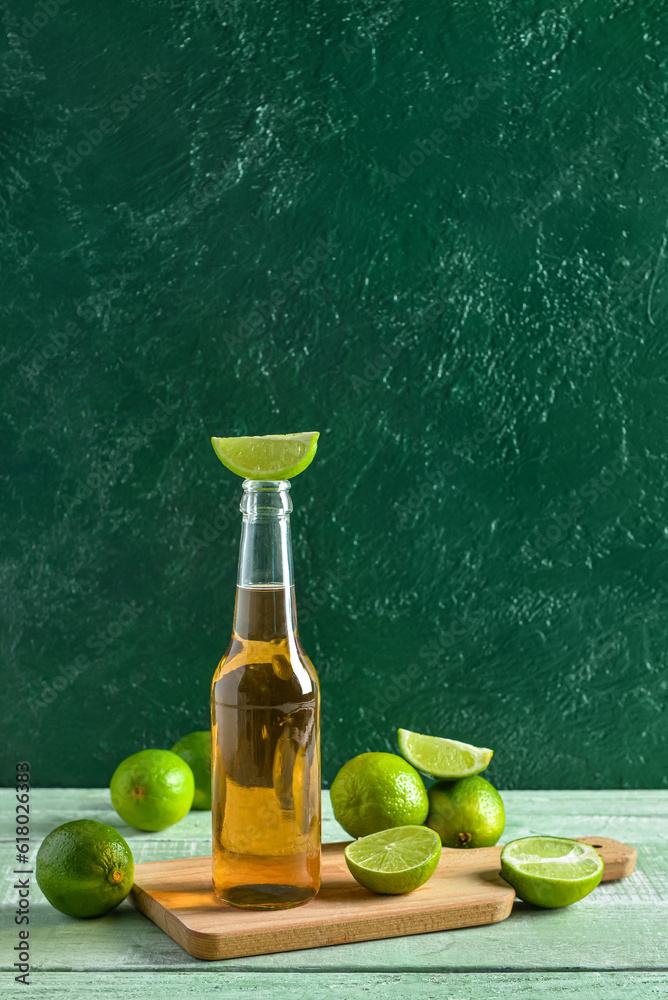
(344, 986)
(621, 926)
(464, 891)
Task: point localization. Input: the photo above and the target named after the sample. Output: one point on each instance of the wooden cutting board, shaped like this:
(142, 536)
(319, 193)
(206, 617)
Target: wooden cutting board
(466, 889)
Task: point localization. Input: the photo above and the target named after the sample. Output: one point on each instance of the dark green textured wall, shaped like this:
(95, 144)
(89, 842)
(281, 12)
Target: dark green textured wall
(436, 232)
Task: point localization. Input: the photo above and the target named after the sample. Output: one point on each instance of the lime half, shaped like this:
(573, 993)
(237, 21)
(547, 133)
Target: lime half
(551, 871)
(394, 861)
(271, 457)
(441, 758)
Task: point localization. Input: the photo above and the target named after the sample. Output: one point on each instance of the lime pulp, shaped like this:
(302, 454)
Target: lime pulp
(269, 457)
(551, 871)
(443, 758)
(394, 861)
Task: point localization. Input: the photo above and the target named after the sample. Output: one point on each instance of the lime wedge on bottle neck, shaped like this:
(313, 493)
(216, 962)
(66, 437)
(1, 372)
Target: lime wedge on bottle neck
(394, 861)
(441, 758)
(551, 871)
(270, 457)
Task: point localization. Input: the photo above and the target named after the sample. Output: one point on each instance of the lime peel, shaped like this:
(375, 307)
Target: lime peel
(195, 750)
(466, 813)
(551, 872)
(269, 457)
(394, 861)
(84, 868)
(376, 791)
(152, 789)
(443, 758)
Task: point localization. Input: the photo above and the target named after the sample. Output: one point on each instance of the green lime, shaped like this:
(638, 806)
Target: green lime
(441, 758)
(152, 789)
(270, 457)
(394, 861)
(551, 871)
(84, 868)
(195, 749)
(375, 791)
(466, 813)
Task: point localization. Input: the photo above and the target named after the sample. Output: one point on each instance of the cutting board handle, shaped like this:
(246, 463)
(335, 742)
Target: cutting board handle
(618, 859)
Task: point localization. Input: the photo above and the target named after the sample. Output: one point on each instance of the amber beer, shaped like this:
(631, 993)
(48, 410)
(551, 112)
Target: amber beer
(265, 705)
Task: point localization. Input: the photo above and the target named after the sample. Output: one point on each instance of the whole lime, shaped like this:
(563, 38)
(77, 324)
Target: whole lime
(152, 789)
(195, 749)
(466, 813)
(84, 868)
(376, 791)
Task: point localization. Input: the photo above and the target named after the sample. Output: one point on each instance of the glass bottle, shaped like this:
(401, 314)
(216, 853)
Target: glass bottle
(265, 708)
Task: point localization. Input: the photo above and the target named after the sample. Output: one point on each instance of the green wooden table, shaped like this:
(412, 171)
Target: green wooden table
(611, 945)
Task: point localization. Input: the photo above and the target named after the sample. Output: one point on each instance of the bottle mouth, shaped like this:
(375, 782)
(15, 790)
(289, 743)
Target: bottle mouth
(265, 485)
(265, 498)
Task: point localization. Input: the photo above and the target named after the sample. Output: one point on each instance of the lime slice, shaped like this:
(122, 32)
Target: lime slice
(441, 758)
(271, 457)
(394, 861)
(551, 871)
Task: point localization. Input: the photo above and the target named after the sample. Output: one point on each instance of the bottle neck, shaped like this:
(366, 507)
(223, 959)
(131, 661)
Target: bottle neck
(265, 552)
(264, 579)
